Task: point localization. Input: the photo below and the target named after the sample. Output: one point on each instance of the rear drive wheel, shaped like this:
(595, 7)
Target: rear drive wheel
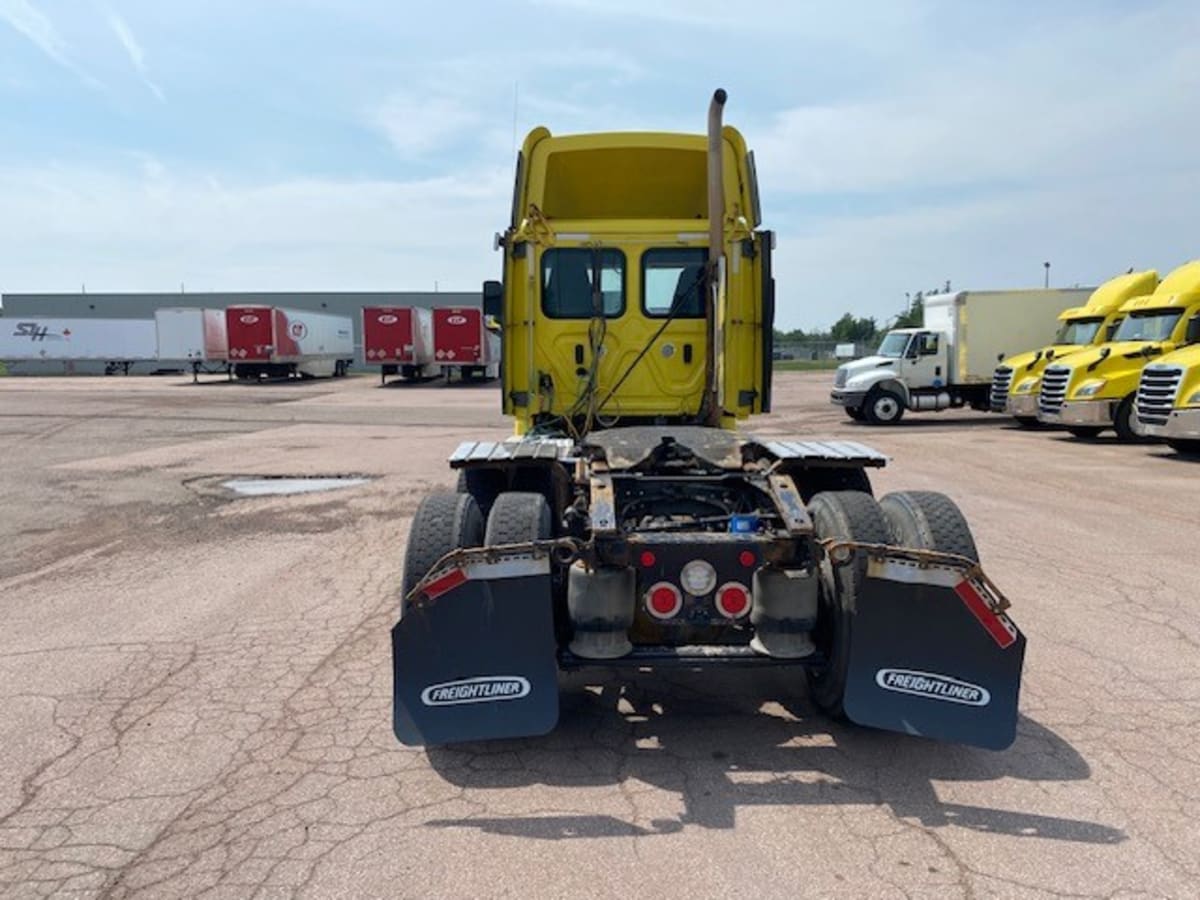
(443, 522)
(927, 520)
(840, 515)
(518, 517)
(485, 485)
(856, 413)
(1123, 421)
(1085, 431)
(1186, 447)
(883, 407)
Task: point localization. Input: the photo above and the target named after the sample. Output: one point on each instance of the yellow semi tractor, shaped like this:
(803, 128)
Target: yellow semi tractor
(627, 523)
(1096, 389)
(1018, 379)
(1168, 398)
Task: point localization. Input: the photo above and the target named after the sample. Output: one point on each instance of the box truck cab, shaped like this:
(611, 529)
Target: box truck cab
(1095, 389)
(950, 361)
(1018, 379)
(1168, 398)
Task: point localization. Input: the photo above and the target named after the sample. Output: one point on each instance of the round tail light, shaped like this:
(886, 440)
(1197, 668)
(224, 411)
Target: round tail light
(664, 600)
(733, 600)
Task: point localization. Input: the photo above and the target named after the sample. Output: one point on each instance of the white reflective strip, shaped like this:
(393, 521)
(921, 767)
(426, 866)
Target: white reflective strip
(507, 568)
(692, 235)
(573, 236)
(910, 572)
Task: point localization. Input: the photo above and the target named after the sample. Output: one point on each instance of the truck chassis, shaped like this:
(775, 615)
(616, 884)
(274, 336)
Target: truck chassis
(654, 546)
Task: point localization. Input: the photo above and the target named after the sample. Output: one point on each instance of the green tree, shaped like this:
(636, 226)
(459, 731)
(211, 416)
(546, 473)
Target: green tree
(851, 329)
(915, 314)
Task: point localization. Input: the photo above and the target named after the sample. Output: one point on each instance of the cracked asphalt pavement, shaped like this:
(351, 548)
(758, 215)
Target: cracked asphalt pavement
(195, 690)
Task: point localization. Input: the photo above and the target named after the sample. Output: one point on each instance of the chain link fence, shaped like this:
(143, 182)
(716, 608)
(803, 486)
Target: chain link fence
(817, 351)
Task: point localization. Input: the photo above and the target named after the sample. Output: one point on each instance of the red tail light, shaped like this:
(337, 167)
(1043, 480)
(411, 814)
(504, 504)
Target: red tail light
(733, 600)
(664, 600)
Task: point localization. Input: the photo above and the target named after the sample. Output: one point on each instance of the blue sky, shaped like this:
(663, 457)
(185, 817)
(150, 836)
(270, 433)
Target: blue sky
(321, 145)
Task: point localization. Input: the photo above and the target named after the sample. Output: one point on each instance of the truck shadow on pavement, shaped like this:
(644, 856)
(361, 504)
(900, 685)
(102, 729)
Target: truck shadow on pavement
(720, 744)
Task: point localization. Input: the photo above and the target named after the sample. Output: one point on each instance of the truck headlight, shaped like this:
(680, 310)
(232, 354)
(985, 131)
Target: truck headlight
(1194, 400)
(1091, 388)
(1026, 386)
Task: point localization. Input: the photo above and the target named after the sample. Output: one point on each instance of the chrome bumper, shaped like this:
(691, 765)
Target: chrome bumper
(1023, 405)
(1181, 424)
(1094, 413)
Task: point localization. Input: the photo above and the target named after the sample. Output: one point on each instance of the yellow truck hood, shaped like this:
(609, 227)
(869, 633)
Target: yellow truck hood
(1113, 356)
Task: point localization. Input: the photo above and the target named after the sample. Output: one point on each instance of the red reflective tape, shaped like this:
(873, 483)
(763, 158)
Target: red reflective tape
(447, 582)
(1003, 631)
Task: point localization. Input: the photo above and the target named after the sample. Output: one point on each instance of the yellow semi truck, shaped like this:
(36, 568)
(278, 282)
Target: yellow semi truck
(628, 523)
(1017, 381)
(1095, 389)
(1168, 398)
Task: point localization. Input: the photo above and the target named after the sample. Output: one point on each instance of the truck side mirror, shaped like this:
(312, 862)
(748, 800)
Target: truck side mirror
(1111, 330)
(493, 300)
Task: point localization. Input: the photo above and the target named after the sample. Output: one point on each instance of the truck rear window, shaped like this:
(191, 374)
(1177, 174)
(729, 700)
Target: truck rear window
(577, 280)
(674, 278)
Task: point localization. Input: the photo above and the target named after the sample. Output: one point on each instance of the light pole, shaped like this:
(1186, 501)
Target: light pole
(1047, 267)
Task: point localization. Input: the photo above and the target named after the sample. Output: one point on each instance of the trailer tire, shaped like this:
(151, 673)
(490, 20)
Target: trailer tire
(883, 407)
(443, 522)
(485, 485)
(518, 517)
(1123, 421)
(840, 515)
(927, 520)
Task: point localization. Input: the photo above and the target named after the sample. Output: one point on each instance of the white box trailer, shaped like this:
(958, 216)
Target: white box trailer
(277, 342)
(193, 335)
(399, 339)
(949, 361)
(118, 343)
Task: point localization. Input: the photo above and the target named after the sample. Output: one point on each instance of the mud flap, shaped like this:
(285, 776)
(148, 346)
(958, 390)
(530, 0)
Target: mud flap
(475, 658)
(932, 655)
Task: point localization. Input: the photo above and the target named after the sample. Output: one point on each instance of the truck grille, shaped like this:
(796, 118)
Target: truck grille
(1001, 382)
(1156, 394)
(1054, 389)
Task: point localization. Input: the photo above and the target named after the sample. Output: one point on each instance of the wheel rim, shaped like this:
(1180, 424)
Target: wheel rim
(886, 408)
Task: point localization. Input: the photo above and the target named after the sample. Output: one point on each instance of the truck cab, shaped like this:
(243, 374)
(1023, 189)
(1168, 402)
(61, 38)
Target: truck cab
(909, 364)
(1018, 379)
(604, 289)
(1095, 389)
(1168, 397)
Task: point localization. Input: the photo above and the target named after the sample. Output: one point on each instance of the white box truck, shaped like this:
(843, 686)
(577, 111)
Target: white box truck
(274, 342)
(949, 361)
(118, 343)
(197, 337)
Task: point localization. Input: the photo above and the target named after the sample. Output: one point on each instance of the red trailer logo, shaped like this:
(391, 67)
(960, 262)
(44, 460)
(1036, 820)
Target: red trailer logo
(299, 331)
(456, 320)
(249, 319)
(387, 319)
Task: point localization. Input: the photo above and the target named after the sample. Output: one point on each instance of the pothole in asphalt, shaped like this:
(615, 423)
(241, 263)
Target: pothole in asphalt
(278, 485)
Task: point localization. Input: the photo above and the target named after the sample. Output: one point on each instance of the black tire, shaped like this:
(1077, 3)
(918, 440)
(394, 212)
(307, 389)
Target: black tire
(517, 517)
(1185, 447)
(1085, 432)
(1123, 421)
(883, 407)
(845, 515)
(855, 413)
(485, 485)
(443, 522)
(926, 520)
(1027, 421)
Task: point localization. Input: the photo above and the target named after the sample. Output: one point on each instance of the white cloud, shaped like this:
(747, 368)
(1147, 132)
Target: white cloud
(417, 125)
(67, 225)
(136, 54)
(37, 27)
